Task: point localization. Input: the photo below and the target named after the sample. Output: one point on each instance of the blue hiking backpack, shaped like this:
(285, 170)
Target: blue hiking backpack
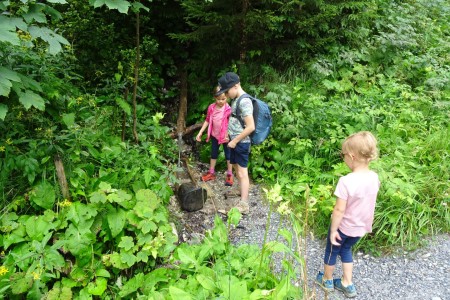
(262, 117)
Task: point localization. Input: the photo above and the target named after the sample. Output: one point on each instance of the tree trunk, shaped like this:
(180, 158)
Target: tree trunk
(61, 177)
(136, 78)
(182, 110)
(243, 43)
(125, 96)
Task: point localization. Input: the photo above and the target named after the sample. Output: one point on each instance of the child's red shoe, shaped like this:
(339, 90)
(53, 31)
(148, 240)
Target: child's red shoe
(208, 176)
(229, 180)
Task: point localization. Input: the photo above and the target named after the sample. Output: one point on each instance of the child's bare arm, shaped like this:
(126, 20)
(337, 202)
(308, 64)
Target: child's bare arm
(200, 133)
(336, 218)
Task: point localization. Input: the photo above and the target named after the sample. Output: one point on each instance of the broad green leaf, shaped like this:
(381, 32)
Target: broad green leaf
(29, 83)
(105, 187)
(234, 216)
(150, 175)
(128, 258)
(260, 294)
(8, 218)
(119, 196)
(187, 256)
(35, 13)
(206, 282)
(147, 226)
(98, 197)
(29, 98)
(141, 256)
(15, 237)
(177, 293)
(233, 288)
(78, 274)
(53, 39)
(124, 105)
(43, 195)
(275, 246)
(98, 287)
(3, 108)
(5, 88)
(155, 276)
(102, 273)
(137, 6)
(126, 242)
(81, 214)
(79, 241)
(67, 282)
(59, 292)
(37, 227)
(20, 283)
(132, 285)
(283, 289)
(69, 119)
(116, 261)
(147, 202)
(57, 1)
(121, 5)
(53, 259)
(36, 291)
(8, 27)
(116, 220)
(9, 74)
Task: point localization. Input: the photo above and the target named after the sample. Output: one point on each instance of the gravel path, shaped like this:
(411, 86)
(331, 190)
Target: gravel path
(418, 275)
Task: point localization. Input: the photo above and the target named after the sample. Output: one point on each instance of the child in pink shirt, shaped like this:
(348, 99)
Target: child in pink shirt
(217, 117)
(353, 212)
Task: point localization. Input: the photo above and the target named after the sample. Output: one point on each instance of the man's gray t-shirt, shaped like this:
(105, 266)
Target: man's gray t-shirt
(234, 125)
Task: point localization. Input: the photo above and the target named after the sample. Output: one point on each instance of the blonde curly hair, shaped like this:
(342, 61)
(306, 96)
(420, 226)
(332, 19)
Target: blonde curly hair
(363, 145)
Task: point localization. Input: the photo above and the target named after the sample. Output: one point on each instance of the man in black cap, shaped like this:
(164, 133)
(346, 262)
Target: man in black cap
(239, 143)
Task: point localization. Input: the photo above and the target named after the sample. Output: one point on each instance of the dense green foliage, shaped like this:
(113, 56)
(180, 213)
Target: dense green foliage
(327, 69)
(396, 86)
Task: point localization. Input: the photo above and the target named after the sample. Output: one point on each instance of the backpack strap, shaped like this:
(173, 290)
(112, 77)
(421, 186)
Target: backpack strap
(237, 115)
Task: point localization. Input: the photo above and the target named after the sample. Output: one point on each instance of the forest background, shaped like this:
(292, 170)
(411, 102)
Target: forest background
(92, 94)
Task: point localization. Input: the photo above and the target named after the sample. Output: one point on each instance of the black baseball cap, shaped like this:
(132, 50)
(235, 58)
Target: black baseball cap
(226, 82)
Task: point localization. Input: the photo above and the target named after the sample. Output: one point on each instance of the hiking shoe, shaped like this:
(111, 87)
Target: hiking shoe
(232, 193)
(229, 180)
(208, 176)
(349, 291)
(243, 207)
(326, 285)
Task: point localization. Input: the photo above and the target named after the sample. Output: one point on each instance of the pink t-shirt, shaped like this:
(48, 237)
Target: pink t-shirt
(217, 117)
(360, 191)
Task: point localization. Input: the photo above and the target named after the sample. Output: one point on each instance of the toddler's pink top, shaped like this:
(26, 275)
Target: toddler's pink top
(218, 121)
(360, 191)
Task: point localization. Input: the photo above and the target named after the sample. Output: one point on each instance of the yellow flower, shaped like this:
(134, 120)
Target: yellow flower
(65, 203)
(36, 276)
(8, 141)
(3, 270)
(2, 148)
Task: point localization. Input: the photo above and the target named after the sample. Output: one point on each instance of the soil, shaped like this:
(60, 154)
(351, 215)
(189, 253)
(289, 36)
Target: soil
(220, 199)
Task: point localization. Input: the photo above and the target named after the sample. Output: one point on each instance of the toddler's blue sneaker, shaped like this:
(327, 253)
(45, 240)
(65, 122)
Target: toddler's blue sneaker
(326, 285)
(349, 291)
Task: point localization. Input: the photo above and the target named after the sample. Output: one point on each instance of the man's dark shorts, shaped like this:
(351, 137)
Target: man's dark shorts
(239, 155)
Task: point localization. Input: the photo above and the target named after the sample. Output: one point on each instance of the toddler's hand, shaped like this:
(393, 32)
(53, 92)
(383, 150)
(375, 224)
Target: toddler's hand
(334, 238)
(198, 138)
